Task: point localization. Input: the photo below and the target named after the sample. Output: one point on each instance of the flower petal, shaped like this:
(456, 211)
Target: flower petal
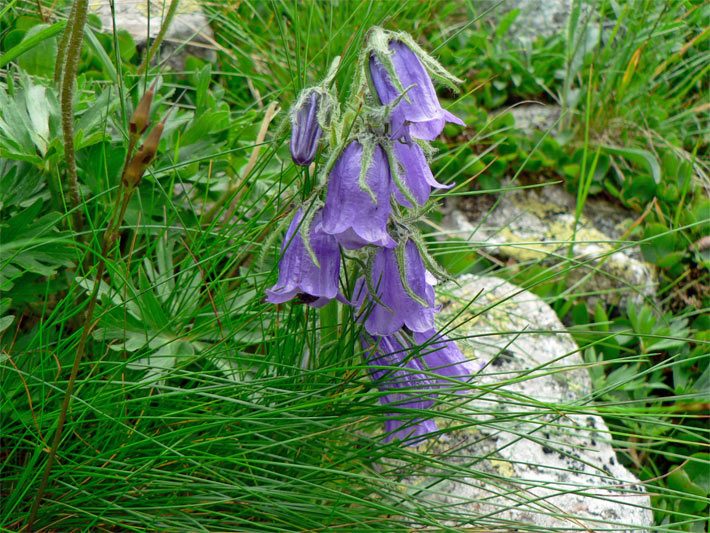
(298, 274)
(350, 213)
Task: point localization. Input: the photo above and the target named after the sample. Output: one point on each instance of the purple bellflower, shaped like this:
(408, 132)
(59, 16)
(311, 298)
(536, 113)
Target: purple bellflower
(411, 381)
(414, 174)
(406, 387)
(401, 309)
(443, 356)
(305, 129)
(299, 276)
(419, 114)
(355, 216)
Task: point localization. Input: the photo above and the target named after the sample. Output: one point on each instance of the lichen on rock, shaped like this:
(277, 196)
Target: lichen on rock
(526, 446)
(538, 225)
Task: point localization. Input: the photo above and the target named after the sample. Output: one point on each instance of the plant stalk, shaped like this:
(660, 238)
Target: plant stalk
(72, 54)
(172, 10)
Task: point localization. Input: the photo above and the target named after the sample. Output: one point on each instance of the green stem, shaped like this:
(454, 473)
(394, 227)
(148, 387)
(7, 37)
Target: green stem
(69, 70)
(172, 10)
(62, 49)
(328, 323)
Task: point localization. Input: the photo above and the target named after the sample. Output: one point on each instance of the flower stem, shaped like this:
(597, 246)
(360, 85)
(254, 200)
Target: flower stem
(110, 237)
(172, 10)
(74, 37)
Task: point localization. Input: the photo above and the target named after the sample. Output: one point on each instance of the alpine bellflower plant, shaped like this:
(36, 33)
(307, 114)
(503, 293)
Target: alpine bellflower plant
(369, 193)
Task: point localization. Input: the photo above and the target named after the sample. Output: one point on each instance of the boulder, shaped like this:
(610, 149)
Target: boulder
(538, 18)
(537, 225)
(536, 117)
(533, 450)
(189, 32)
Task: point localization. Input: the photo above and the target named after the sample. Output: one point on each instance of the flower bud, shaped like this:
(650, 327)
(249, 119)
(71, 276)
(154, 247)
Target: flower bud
(143, 157)
(141, 115)
(305, 129)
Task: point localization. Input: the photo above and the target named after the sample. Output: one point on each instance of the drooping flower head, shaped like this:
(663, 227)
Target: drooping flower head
(419, 113)
(305, 128)
(299, 276)
(442, 356)
(412, 374)
(398, 374)
(395, 305)
(357, 205)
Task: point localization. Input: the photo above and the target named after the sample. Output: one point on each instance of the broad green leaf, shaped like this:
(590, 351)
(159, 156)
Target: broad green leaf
(658, 243)
(6, 322)
(29, 43)
(639, 157)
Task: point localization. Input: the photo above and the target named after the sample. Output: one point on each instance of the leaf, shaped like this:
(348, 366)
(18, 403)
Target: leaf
(680, 481)
(506, 22)
(29, 44)
(639, 157)
(38, 109)
(39, 60)
(698, 470)
(31, 244)
(104, 59)
(6, 322)
(659, 244)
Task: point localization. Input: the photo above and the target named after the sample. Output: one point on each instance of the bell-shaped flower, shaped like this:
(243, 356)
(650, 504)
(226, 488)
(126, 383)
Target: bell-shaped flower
(399, 375)
(305, 129)
(313, 284)
(443, 357)
(420, 111)
(357, 206)
(414, 174)
(396, 306)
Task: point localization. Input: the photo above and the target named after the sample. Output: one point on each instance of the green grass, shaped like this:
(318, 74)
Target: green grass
(200, 407)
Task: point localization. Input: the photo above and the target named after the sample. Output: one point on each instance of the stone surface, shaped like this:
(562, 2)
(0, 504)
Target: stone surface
(537, 224)
(532, 117)
(190, 25)
(534, 452)
(538, 18)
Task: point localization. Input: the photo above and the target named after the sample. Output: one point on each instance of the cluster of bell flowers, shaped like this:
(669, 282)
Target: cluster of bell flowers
(378, 182)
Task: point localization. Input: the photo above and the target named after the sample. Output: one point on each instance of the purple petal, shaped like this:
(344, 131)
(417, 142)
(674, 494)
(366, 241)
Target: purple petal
(403, 309)
(298, 274)
(421, 109)
(421, 102)
(414, 173)
(350, 213)
(442, 356)
(450, 117)
(410, 431)
(406, 386)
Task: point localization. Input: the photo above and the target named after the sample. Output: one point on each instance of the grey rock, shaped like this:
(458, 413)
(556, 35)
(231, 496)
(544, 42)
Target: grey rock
(537, 18)
(189, 32)
(537, 225)
(532, 117)
(530, 462)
